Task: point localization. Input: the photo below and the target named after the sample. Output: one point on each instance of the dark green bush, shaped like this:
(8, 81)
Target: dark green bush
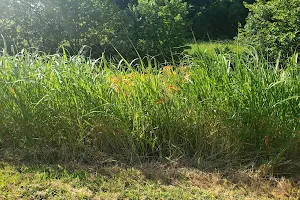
(160, 25)
(48, 24)
(153, 26)
(272, 27)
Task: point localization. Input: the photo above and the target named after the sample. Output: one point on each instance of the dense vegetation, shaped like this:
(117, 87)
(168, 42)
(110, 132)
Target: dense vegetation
(154, 27)
(151, 26)
(101, 82)
(230, 107)
(273, 28)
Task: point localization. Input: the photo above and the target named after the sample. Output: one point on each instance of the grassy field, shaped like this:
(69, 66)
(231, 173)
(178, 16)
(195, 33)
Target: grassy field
(219, 106)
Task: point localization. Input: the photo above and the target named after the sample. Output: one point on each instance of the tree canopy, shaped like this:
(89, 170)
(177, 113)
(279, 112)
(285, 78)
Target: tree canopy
(151, 26)
(273, 27)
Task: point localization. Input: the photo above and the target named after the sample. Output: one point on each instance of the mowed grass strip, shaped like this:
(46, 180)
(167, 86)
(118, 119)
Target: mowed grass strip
(151, 181)
(106, 183)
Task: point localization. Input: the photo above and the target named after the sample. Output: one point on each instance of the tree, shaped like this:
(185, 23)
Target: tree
(124, 3)
(46, 24)
(105, 26)
(273, 26)
(35, 23)
(218, 19)
(160, 25)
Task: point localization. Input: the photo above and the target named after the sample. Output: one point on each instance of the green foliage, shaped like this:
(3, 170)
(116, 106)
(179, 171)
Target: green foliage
(152, 26)
(161, 25)
(273, 27)
(105, 27)
(202, 110)
(47, 24)
(218, 19)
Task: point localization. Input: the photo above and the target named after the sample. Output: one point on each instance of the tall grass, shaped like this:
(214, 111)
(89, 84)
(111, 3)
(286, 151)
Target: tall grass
(202, 109)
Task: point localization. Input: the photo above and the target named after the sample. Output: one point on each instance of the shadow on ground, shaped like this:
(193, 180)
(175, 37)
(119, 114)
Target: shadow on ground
(39, 177)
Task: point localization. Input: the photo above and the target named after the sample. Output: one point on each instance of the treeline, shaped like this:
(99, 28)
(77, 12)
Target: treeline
(211, 19)
(148, 26)
(151, 26)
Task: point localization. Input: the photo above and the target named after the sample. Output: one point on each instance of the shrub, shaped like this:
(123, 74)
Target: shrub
(273, 27)
(160, 25)
(48, 24)
(105, 27)
(153, 26)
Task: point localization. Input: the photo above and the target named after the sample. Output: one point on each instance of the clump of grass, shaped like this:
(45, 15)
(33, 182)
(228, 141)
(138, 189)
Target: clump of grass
(215, 48)
(205, 109)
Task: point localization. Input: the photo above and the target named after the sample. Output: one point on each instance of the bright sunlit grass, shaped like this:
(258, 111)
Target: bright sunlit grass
(215, 48)
(231, 109)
